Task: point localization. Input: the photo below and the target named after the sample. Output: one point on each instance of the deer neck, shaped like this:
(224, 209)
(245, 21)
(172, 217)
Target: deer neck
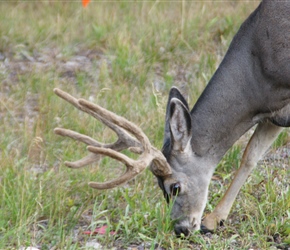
(218, 123)
(226, 109)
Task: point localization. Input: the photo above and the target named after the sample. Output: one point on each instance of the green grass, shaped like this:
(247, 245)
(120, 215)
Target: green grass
(124, 56)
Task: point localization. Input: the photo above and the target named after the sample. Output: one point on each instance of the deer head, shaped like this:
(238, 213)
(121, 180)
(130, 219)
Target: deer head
(173, 167)
(188, 183)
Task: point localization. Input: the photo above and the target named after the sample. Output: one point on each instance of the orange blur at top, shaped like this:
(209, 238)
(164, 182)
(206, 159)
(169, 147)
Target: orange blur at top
(85, 2)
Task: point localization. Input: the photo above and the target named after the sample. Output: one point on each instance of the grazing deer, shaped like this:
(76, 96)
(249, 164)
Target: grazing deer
(251, 86)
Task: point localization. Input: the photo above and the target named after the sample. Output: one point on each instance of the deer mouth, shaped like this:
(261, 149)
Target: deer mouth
(184, 227)
(181, 230)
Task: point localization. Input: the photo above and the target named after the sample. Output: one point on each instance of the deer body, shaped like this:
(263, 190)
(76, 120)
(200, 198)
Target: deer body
(251, 86)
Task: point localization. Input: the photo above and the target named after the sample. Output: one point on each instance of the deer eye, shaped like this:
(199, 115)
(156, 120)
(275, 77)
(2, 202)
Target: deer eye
(175, 188)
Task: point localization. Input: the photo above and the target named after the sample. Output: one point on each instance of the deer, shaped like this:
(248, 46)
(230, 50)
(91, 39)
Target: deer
(250, 89)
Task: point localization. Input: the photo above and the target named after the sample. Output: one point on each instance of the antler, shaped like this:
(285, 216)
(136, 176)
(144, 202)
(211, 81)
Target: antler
(138, 144)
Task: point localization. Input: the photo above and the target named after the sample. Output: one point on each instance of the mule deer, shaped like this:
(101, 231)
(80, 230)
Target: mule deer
(251, 86)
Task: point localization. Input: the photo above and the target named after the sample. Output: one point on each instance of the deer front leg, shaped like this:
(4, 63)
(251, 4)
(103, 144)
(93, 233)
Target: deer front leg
(261, 140)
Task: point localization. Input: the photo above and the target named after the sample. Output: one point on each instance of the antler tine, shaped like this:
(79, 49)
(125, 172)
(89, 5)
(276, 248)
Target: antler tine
(90, 158)
(77, 136)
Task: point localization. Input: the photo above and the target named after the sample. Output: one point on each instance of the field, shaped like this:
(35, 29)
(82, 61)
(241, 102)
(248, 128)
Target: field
(125, 56)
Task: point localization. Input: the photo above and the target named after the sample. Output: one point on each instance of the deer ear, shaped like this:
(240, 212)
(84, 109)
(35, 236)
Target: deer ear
(174, 93)
(180, 124)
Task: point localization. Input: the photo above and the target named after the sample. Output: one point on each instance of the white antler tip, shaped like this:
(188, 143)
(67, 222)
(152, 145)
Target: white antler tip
(56, 90)
(71, 164)
(56, 130)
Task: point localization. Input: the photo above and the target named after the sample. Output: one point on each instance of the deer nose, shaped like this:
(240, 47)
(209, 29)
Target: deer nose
(183, 227)
(179, 230)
